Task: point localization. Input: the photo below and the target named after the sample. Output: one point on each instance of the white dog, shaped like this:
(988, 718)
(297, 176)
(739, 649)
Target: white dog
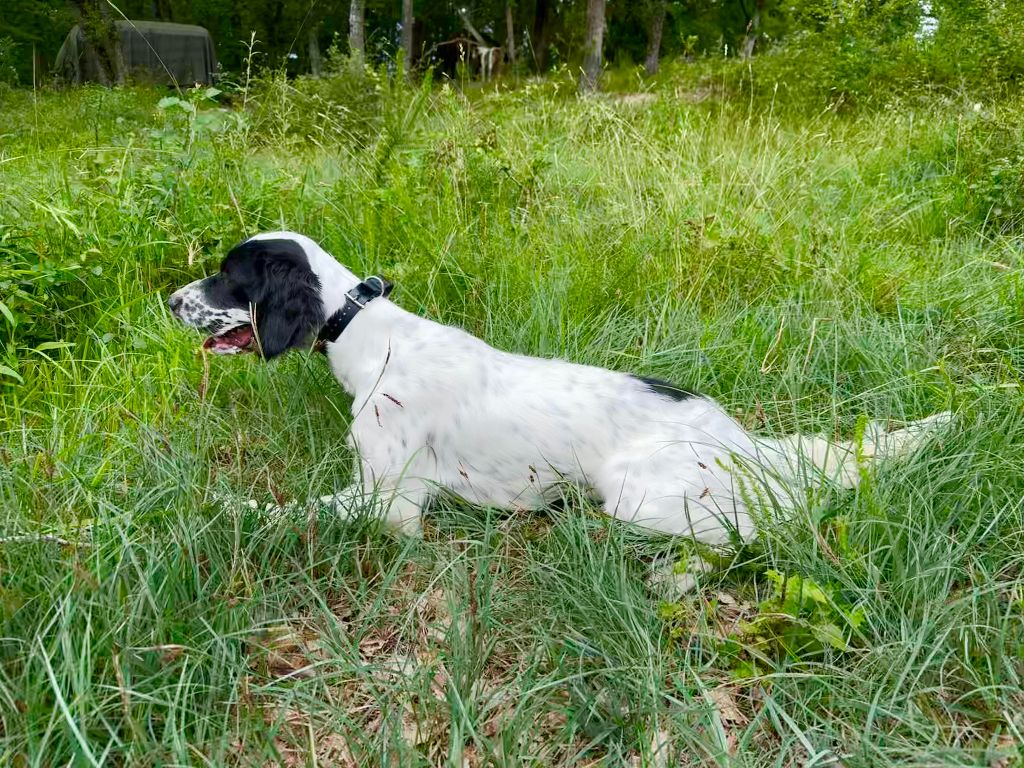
(435, 408)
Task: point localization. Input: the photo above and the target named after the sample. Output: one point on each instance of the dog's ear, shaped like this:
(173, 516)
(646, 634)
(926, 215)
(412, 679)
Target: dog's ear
(273, 277)
(287, 305)
(283, 292)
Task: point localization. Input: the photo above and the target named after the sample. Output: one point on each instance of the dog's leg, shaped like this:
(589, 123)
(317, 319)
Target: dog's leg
(399, 500)
(347, 502)
(401, 506)
(404, 510)
(674, 490)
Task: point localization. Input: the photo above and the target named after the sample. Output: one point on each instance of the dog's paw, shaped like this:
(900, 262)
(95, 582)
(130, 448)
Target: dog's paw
(235, 504)
(671, 579)
(271, 510)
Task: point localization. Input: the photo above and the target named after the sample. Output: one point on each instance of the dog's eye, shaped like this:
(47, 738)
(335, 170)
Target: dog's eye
(236, 289)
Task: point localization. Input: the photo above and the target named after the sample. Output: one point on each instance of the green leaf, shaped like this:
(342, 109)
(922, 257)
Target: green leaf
(7, 313)
(856, 617)
(48, 345)
(794, 595)
(811, 591)
(169, 102)
(829, 633)
(6, 371)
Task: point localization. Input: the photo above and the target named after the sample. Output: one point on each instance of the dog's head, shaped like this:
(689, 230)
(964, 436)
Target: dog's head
(266, 298)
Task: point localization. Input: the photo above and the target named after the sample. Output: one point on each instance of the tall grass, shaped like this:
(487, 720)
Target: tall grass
(804, 271)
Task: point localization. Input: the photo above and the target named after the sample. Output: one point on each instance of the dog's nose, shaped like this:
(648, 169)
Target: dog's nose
(175, 302)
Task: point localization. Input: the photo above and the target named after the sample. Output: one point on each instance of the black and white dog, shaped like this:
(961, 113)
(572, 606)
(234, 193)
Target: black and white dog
(435, 408)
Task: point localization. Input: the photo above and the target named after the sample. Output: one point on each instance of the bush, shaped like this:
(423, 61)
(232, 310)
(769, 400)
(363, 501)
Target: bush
(861, 59)
(8, 51)
(345, 104)
(989, 178)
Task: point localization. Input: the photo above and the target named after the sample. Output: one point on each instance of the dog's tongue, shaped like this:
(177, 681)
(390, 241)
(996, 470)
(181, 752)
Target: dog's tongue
(229, 342)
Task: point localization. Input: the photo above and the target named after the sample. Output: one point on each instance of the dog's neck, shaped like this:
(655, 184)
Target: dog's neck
(335, 280)
(362, 353)
(359, 355)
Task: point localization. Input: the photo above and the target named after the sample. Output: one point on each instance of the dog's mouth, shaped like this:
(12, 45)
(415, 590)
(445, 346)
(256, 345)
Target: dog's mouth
(231, 342)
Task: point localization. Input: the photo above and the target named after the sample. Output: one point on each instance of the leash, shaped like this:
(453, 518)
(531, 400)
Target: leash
(373, 287)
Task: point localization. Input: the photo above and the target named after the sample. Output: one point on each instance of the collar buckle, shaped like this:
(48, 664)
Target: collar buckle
(356, 299)
(378, 287)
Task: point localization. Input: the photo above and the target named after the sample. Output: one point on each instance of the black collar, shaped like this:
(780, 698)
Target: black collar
(371, 288)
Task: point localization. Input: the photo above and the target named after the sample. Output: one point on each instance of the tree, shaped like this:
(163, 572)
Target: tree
(510, 35)
(408, 20)
(590, 78)
(34, 26)
(162, 10)
(541, 33)
(101, 33)
(357, 30)
(753, 31)
(314, 51)
(655, 13)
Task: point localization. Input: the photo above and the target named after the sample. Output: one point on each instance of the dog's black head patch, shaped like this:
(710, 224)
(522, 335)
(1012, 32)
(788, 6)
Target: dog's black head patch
(271, 282)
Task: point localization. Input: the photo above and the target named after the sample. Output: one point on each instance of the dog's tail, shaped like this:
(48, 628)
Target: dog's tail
(786, 467)
(813, 459)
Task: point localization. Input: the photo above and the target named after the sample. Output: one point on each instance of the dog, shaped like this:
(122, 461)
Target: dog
(435, 409)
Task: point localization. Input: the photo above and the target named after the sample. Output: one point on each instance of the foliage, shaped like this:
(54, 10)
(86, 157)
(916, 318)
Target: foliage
(865, 54)
(806, 267)
(8, 72)
(989, 154)
(33, 26)
(841, 52)
(799, 621)
(346, 105)
(800, 618)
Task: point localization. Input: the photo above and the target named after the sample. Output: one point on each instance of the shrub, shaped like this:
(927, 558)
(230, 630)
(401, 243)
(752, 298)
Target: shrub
(344, 104)
(8, 51)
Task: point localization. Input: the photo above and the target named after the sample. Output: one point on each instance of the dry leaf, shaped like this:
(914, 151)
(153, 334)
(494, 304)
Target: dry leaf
(471, 757)
(1007, 753)
(661, 748)
(724, 702)
(288, 651)
(410, 730)
(297, 741)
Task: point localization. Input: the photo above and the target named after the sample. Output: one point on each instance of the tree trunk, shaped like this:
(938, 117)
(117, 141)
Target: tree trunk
(357, 31)
(470, 28)
(753, 30)
(408, 20)
(510, 35)
(161, 10)
(654, 30)
(102, 34)
(590, 78)
(314, 52)
(539, 41)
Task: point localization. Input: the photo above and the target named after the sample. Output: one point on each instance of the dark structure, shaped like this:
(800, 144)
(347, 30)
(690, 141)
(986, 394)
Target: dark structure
(155, 51)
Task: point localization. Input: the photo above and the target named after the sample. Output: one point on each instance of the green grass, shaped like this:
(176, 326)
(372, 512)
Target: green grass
(806, 271)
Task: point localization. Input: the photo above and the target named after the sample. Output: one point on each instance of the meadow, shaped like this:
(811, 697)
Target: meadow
(810, 267)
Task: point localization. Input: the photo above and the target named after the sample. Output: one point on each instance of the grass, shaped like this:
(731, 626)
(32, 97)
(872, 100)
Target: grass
(806, 271)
